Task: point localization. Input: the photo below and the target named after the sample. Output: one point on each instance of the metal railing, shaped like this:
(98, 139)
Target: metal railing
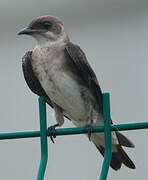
(107, 128)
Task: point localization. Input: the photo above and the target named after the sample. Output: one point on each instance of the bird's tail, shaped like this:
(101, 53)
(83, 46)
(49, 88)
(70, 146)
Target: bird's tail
(119, 156)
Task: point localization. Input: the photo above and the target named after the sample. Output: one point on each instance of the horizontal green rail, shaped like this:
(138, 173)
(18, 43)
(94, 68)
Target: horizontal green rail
(74, 131)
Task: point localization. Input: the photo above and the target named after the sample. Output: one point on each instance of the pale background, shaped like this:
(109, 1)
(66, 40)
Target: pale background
(114, 36)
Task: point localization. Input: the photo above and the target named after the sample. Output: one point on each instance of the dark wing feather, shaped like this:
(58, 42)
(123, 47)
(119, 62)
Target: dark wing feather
(87, 75)
(118, 158)
(31, 79)
(82, 67)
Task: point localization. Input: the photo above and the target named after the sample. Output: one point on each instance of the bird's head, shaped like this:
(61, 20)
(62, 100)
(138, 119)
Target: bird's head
(47, 30)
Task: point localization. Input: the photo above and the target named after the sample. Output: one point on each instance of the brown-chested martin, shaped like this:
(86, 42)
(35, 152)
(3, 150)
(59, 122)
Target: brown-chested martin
(58, 70)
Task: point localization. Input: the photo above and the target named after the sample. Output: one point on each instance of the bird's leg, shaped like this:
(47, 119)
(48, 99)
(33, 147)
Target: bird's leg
(58, 114)
(91, 119)
(51, 132)
(89, 128)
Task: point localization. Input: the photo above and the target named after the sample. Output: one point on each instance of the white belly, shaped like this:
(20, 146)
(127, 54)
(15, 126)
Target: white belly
(64, 91)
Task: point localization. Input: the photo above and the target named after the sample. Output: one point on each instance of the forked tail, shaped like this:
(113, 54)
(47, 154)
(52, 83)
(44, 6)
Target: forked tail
(119, 157)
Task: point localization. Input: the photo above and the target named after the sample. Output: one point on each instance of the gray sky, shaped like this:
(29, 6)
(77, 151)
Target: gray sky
(113, 35)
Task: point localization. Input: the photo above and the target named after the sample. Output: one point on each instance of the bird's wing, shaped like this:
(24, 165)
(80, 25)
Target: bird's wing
(87, 75)
(85, 72)
(31, 79)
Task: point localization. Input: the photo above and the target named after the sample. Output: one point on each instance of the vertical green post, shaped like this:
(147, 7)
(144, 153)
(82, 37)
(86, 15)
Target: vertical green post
(107, 133)
(43, 138)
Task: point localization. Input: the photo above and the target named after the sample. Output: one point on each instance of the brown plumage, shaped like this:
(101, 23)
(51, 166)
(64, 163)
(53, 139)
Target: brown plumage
(56, 61)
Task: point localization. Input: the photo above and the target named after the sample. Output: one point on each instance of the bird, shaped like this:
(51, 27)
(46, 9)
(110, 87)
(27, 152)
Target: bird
(58, 70)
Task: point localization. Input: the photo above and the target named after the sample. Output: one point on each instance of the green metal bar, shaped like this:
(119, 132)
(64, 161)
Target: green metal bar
(43, 139)
(129, 126)
(107, 128)
(19, 135)
(107, 133)
(73, 131)
(118, 127)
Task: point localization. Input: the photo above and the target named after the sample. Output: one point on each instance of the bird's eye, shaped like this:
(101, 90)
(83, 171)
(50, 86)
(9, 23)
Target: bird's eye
(47, 24)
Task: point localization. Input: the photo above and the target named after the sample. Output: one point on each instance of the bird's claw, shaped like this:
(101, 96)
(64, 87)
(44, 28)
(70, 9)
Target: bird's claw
(51, 132)
(89, 128)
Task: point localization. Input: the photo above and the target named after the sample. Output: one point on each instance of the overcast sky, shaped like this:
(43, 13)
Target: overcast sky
(114, 36)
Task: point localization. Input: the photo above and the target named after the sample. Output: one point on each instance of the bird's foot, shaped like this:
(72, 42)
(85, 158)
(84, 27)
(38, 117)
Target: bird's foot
(89, 128)
(51, 132)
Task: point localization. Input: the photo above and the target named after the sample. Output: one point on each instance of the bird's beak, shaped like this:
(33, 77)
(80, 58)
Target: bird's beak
(26, 31)
(29, 31)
